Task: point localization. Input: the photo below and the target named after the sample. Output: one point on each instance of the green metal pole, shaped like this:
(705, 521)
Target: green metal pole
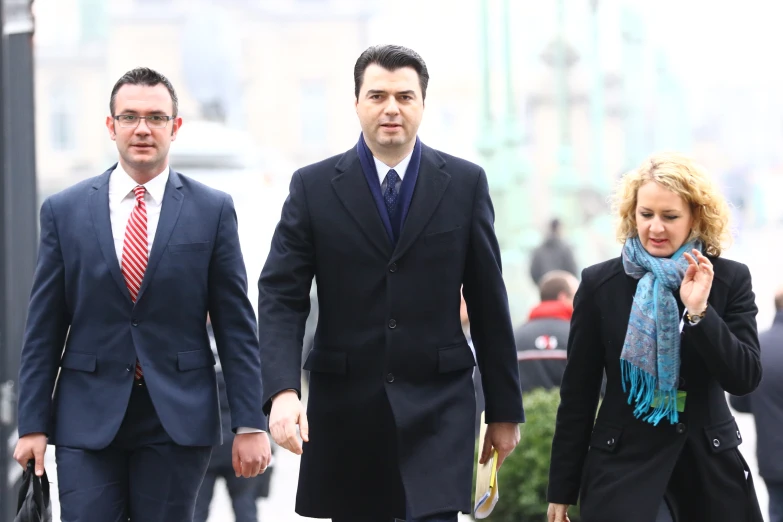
(566, 176)
(598, 174)
(681, 122)
(486, 105)
(517, 163)
(522, 236)
(599, 243)
(634, 86)
(512, 130)
(486, 143)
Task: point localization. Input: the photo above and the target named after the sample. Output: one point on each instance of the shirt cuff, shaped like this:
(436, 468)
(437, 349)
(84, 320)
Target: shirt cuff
(242, 430)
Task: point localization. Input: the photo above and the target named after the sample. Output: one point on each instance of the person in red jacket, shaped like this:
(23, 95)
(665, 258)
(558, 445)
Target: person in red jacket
(541, 341)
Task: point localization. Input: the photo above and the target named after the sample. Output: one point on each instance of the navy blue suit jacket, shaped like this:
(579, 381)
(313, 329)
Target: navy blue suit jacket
(83, 324)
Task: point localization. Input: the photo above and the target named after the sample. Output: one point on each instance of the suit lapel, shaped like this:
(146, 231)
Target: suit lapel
(354, 192)
(99, 212)
(427, 193)
(169, 213)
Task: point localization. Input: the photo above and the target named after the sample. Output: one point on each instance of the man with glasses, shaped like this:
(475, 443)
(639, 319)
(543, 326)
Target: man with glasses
(130, 263)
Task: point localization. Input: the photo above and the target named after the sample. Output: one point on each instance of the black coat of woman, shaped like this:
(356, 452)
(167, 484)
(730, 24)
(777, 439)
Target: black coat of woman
(621, 467)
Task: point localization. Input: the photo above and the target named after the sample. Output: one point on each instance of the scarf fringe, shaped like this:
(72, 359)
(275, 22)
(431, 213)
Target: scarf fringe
(644, 393)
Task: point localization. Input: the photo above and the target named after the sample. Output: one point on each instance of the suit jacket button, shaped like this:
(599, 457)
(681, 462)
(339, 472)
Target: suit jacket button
(610, 442)
(135, 323)
(681, 428)
(129, 367)
(392, 323)
(389, 377)
(738, 435)
(393, 267)
(715, 442)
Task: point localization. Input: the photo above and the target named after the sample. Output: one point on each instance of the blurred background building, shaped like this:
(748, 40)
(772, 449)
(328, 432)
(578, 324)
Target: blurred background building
(279, 71)
(554, 99)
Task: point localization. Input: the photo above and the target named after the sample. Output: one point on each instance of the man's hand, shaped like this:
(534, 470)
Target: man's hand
(31, 446)
(502, 436)
(287, 412)
(250, 454)
(557, 513)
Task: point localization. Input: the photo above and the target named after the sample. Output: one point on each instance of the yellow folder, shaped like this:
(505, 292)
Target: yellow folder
(487, 490)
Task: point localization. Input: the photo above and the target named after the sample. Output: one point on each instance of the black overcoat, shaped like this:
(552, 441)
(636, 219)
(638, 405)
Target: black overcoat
(391, 400)
(620, 466)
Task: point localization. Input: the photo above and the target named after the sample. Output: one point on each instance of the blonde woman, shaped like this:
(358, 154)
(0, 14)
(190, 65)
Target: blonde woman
(673, 325)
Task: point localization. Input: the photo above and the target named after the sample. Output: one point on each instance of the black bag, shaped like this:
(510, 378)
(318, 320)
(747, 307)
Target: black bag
(34, 502)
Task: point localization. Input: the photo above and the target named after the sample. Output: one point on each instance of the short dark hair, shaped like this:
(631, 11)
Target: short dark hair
(554, 283)
(144, 76)
(391, 58)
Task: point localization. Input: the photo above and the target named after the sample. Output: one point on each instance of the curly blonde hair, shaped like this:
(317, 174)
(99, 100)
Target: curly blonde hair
(688, 180)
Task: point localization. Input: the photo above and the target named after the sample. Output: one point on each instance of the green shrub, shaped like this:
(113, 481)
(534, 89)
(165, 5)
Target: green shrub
(524, 476)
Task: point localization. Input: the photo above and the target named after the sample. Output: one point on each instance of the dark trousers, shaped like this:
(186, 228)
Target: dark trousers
(241, 490)
(441, 517)
(775, 490)
(142, 475)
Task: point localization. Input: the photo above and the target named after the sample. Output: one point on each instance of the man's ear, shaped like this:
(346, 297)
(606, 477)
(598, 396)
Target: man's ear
(111, 128)
(176, 123)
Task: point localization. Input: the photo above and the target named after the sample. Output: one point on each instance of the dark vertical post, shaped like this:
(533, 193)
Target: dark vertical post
(18, 222)
(6, 416)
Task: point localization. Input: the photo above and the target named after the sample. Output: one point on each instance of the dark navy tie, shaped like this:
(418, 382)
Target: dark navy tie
(391, 195)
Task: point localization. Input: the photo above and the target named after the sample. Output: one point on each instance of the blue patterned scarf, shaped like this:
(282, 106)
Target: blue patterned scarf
(650, 360)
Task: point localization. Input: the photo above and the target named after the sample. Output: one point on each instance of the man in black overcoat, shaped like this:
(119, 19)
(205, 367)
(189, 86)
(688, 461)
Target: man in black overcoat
(391, 230)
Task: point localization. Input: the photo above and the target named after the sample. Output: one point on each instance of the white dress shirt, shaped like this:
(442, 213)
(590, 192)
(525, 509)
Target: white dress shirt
(383, 169)
(122, 199)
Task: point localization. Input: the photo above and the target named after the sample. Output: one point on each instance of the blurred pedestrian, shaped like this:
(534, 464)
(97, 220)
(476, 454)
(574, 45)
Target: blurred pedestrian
(243, 492)
(673, 324)
(541, 341)
(553, 254)
(391, 230)
(766, 405)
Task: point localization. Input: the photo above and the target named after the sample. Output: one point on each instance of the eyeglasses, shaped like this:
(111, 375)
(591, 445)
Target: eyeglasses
(153, 122)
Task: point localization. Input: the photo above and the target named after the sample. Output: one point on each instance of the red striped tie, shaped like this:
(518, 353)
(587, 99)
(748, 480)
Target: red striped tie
(134, 251)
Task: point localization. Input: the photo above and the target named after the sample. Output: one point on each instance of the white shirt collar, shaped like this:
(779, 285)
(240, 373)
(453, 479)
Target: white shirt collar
(121, 184)
(399, 168)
